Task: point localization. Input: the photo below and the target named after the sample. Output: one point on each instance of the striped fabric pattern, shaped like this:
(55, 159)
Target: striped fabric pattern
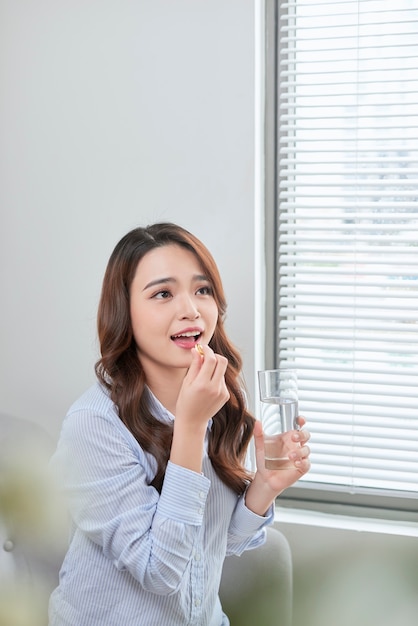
(137, 557)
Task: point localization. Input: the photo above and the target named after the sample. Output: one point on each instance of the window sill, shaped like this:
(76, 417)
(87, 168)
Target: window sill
(345, 522)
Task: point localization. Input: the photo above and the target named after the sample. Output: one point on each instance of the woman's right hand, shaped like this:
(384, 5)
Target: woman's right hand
(204, 390)
(201, 395)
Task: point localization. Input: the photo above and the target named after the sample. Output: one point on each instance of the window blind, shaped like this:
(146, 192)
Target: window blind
(347, 235)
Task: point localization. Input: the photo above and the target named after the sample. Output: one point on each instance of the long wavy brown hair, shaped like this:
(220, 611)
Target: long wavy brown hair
(119, 368)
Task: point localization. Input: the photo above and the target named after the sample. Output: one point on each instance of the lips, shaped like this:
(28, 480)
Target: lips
(187, 338)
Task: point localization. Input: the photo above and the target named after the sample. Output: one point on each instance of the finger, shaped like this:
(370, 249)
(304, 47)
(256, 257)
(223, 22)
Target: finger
(301, 435)
(207, 358)
(258, 430)
(221, 363)
(303, 466)
(305, 452)
(258, 437)
(213, 365)
(195, 365)
(305, 435)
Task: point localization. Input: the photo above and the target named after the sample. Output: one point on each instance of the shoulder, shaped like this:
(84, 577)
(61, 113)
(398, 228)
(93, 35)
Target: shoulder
(95, 442)
(96, 398)
(95, 414)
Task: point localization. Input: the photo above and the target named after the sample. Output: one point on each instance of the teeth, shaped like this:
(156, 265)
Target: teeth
(192, 334)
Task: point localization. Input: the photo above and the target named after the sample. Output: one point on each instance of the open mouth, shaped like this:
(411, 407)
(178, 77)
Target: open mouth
(187, 339)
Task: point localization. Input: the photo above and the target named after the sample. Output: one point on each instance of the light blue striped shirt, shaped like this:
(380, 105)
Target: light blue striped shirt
(137, 557)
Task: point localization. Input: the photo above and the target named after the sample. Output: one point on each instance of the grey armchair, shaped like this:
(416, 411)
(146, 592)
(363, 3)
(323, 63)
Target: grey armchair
(256, 588)
(29, 554)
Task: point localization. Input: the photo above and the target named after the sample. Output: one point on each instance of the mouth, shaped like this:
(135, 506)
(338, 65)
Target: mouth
(187, 339)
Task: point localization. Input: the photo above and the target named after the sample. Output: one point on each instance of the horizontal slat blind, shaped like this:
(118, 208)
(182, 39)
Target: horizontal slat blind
(347, 266)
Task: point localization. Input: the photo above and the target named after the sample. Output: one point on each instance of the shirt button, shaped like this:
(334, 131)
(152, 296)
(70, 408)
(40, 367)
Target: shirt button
(8, 545)
(200, 511)
(197, 602)
(201, 495)
(197, 557)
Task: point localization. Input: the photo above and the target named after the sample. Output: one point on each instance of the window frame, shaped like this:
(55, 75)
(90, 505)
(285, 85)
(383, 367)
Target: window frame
(330, 498)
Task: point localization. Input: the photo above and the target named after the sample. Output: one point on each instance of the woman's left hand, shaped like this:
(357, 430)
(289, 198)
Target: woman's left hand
(268, 484)
(299, 457)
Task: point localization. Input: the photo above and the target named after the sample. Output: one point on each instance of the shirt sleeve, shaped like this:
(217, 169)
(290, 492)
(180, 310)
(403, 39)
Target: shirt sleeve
(140, 530)
(247, 529)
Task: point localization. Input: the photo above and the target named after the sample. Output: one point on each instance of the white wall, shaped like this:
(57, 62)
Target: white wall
(115, 113)
(352, 578)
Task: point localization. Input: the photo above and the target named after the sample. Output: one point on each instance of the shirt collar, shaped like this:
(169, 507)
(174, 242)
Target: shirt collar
(157, 409)
(160, 412)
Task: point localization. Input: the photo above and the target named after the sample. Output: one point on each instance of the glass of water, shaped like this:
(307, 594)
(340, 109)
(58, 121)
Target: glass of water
(279, 412)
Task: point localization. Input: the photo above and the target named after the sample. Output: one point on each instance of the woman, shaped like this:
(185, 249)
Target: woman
(151, 457)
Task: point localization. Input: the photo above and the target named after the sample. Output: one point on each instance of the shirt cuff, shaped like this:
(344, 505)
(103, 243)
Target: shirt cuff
(245, 523)
(183, 496)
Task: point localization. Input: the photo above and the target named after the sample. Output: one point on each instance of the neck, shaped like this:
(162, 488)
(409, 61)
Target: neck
(165, 385)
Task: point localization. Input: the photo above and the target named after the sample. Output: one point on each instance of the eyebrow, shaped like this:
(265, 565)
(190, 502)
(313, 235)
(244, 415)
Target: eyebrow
(169, 279)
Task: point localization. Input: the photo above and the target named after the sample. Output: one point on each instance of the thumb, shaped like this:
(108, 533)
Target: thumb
(195, 365)
(259, 445)
(258, 436)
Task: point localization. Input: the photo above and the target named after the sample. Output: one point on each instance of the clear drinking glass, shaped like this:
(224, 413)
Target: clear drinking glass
(279, 412)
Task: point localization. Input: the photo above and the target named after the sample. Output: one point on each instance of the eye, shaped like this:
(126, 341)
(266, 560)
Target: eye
(162, 295)
(205, 291)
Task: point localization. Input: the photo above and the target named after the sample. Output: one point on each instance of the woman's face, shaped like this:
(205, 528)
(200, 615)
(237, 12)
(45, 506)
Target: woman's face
(172, 308)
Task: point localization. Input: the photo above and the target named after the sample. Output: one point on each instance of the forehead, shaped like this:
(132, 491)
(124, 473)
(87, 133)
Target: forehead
(170, 261)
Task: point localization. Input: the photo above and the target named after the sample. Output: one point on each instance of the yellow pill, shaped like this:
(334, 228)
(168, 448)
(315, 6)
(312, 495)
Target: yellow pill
(200, 349)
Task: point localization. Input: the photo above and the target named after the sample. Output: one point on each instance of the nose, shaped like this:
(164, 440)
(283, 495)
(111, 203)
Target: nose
(188, 309)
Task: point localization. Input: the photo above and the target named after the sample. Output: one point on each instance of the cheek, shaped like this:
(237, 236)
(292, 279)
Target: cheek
(148, 321)
(213, 316)
(139, 321)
